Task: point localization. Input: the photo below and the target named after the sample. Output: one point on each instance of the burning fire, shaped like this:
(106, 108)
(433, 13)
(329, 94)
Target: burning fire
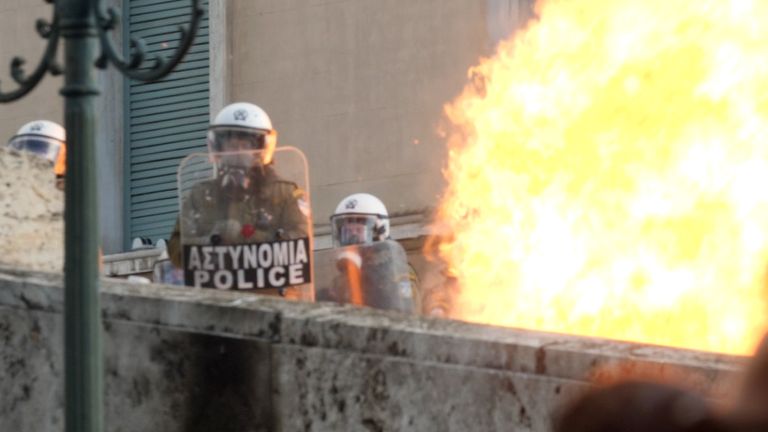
(608, 174)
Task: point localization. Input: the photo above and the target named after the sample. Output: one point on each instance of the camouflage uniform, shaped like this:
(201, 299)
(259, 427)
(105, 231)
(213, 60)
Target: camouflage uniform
(268, 211)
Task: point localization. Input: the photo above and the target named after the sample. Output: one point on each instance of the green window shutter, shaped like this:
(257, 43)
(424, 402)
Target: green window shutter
(164, 120)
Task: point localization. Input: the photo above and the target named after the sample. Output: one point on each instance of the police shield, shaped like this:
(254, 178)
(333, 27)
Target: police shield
(375, 275)
(245, 222)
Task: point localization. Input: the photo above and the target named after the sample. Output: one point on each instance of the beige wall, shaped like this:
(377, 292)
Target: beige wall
(19, 38)
(359, 85)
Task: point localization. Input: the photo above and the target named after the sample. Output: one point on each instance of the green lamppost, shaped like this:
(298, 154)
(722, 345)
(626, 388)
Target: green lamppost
(84, 27)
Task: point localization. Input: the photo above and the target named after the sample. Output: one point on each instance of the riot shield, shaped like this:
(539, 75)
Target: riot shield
(375, 275)
(245, 224)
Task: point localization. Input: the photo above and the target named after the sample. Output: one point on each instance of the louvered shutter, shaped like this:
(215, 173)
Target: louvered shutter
(164, 120)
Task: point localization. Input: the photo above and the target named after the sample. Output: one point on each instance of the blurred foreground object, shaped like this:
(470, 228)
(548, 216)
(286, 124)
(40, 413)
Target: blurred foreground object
(646, 405)
(635, 406)
(751, 411)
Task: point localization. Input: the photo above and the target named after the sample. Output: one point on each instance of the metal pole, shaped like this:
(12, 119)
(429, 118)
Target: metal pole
(80, 23)
(82, 339)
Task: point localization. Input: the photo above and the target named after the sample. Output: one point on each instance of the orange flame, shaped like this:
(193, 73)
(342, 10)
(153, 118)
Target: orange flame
(608, 174)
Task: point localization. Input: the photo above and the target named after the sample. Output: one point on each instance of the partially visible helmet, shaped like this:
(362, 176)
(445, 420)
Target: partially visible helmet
(242, 126)
(360, 218)
(45, 139)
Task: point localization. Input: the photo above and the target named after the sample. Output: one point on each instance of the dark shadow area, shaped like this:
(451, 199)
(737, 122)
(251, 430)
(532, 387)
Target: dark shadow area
(231, 387)
(666, 405)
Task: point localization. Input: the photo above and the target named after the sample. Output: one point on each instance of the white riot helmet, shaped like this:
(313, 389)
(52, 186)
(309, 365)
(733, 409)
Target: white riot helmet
(360, 218)
(45, 139)
(242, 126)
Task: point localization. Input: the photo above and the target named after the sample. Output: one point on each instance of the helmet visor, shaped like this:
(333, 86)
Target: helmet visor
(46, 148)
(232, 139)
(353, 229)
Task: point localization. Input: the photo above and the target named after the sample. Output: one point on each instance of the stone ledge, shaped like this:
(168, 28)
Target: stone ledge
(131, 263)
(362, 330)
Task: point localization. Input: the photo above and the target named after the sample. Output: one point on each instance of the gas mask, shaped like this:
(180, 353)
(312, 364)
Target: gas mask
(239, 155)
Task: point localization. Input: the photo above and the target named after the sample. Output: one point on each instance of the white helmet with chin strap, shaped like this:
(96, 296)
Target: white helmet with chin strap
(360, 218)
(45, 139)
(242, 126)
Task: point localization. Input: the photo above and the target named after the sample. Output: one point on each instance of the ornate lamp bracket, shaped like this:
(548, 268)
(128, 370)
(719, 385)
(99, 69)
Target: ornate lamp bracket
(50, 32)
(137, 66)
(134, 67)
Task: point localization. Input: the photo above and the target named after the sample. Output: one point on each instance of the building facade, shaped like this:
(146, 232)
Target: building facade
(357, 85)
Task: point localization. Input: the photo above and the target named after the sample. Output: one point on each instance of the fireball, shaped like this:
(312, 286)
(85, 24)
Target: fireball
(608, 174)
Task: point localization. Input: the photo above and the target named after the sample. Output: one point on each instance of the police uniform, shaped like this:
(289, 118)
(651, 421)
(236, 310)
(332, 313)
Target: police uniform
(271, 209)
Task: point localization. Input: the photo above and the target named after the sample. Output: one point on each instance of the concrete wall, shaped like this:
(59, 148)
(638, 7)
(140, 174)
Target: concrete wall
(31, 213)
(359, 85)
(187, 360)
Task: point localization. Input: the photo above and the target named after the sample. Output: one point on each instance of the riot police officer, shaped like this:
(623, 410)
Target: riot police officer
(373, 268)
(45, 139)
(246, 201)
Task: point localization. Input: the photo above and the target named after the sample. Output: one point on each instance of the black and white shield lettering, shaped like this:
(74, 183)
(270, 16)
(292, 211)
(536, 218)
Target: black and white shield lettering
(245, 222)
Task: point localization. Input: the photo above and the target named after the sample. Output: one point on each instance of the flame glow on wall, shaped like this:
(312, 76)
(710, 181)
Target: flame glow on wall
(608, 174)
